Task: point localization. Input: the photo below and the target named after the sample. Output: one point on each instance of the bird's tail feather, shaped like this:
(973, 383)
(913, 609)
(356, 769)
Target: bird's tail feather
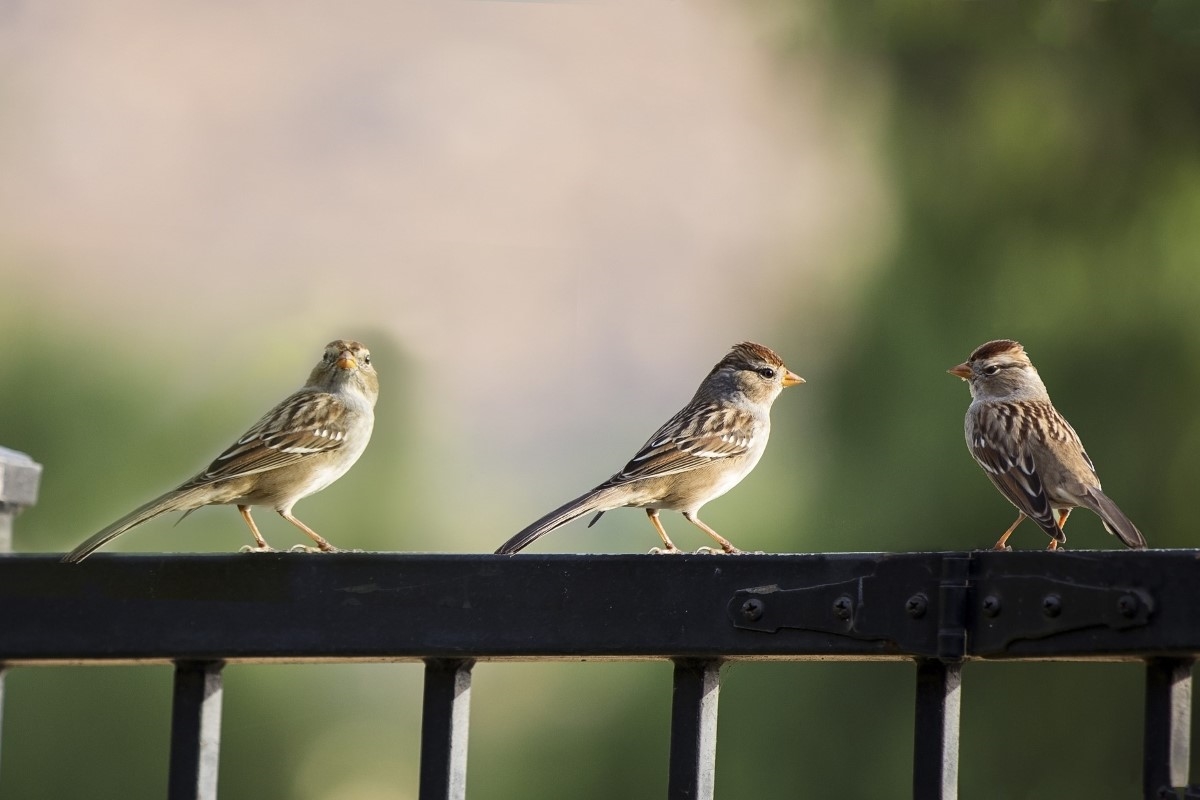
(1115, 521)
(176, 500)
(597, 499)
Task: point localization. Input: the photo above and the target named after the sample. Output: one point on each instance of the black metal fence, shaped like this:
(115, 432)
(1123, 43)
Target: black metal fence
(700, 611)
(939, 609)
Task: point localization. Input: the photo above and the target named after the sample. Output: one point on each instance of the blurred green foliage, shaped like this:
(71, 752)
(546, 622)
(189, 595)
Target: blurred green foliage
(1044, 167)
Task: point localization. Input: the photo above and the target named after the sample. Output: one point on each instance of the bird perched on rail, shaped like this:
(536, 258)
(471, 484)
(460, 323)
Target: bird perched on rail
(1031, 454)
(699, 454)
(300, 447)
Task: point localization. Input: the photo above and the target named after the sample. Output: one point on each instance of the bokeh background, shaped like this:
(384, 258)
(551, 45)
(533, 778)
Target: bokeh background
(548, 220)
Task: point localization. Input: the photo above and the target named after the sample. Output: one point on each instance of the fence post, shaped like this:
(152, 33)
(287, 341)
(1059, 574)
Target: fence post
(19, 477)
(694, 729)
(1167, 727)
(445, 717)
(195, 731)
(935, 737)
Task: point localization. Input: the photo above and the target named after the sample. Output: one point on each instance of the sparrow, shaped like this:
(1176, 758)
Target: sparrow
(699, 454)
(298, 448)
(1031, 454)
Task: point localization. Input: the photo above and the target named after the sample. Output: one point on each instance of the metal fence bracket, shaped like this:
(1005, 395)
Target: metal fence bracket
(1016, 607)
(827, 608)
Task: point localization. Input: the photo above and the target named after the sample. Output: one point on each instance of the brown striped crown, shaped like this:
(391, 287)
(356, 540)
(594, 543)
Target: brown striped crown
(997, 347)
(747, 353)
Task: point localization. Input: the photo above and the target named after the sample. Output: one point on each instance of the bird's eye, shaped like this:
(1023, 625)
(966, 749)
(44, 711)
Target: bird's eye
(367, 360)
(766, 372)
(991, 369)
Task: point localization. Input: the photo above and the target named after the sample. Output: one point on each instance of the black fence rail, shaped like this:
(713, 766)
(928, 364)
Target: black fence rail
(700, 611)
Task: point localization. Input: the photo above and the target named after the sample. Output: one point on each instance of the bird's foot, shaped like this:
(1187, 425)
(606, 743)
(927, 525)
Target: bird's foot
(665, 551)
(328, 548)
(721, 551)
(246, 548)
(1002, 548)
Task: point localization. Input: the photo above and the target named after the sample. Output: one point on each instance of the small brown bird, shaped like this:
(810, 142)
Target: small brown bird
(300, 447)
(699, 454)
(1031, 454)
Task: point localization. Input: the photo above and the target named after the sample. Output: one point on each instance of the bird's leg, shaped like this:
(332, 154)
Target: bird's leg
(1053, 545)
(260, 544)
(1000, 545)
(668, 545)
(726, 545)
(322, 545)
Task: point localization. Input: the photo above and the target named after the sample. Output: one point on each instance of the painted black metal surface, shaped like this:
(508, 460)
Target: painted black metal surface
(195, 731)
(445, 718)
(296, 607)
(938, 609)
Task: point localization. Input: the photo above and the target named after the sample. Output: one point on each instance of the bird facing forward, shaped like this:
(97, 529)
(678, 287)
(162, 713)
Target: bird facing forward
(699, 454)
(1031, 454)
(300, 447)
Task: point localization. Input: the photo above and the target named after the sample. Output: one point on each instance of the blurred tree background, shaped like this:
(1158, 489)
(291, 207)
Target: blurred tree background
(954, 173)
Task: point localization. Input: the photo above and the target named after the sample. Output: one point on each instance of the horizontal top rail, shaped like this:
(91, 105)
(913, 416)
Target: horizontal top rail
(1073, 605)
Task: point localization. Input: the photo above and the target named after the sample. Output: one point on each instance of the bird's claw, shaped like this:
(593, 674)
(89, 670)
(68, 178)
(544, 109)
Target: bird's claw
(720, 551)
(304, 548)
(665, 551)
(246, 548)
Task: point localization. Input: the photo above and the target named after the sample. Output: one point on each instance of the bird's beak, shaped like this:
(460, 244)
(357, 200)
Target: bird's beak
(346, 360)
(791, 379)
(963, 370)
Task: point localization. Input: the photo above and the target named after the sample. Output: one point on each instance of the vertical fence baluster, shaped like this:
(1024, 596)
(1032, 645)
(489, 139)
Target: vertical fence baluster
(445, 720)
(19, 478)
(195, 731)
(1168, 726)
(2, 671)
(935, 739)
(694, 729)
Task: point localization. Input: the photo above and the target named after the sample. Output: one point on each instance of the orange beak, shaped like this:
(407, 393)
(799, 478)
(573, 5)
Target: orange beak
(963, 370)
(346, 361)
(791, 379)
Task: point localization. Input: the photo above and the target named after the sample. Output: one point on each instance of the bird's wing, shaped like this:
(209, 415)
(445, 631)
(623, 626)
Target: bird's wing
(306, 423)
(1007, 459)
(693, 438)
